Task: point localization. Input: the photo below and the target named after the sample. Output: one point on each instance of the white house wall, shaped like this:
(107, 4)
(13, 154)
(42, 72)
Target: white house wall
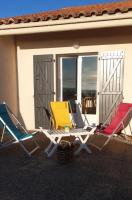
(90, 41)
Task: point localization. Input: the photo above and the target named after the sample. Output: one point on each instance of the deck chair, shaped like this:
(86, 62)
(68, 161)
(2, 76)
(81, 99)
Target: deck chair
(12, 127)
(60, 114)
(61, 119)
(118, 124)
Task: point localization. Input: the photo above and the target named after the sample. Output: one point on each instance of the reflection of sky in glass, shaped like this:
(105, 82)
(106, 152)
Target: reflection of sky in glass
(89, 73)
(69, 72)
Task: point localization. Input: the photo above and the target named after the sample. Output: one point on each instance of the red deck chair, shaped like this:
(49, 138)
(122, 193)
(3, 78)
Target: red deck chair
(119, 122)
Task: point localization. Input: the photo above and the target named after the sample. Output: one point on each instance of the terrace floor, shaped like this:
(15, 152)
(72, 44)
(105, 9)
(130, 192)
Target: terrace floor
(105, 175)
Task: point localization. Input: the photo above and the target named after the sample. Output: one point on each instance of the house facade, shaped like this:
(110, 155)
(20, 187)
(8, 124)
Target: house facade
(81, 54)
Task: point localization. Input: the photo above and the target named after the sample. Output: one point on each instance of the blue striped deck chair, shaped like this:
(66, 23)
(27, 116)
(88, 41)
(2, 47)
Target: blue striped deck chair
(10, 126)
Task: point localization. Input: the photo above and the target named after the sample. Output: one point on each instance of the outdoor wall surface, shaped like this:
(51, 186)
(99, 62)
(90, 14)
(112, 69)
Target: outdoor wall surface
(89, 41)
(8, 73)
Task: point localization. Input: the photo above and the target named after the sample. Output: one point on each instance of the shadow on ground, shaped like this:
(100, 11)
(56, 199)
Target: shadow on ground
(105, 175)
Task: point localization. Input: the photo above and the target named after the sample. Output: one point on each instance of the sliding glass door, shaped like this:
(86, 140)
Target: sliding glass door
(79, 84)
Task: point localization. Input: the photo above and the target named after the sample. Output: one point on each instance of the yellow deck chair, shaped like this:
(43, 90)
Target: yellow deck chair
(60, 114)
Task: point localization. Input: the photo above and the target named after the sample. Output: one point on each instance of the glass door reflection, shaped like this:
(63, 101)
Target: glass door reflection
(89, 84)
(69, 80)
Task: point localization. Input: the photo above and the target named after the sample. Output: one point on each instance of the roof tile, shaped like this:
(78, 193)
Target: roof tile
(75, 12)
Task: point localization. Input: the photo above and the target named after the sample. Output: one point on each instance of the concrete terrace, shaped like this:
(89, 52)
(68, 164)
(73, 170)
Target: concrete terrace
(99, 176)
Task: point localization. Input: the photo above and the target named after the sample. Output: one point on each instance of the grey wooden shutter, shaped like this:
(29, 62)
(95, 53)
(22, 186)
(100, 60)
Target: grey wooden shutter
(43, 88)
(111, 82)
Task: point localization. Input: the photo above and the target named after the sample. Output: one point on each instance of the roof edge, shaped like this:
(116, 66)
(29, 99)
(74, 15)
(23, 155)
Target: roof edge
(72, 12)
(68, 25)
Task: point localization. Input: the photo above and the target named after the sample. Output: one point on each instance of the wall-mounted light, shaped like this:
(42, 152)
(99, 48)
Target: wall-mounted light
(76, 45)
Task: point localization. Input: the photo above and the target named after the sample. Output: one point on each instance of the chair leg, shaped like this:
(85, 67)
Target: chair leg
(48, 147)
(29, 153)
(2, 136)
(52, 151)
(83, 145)
(53, 146)
(23, 147)
(105, 143)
